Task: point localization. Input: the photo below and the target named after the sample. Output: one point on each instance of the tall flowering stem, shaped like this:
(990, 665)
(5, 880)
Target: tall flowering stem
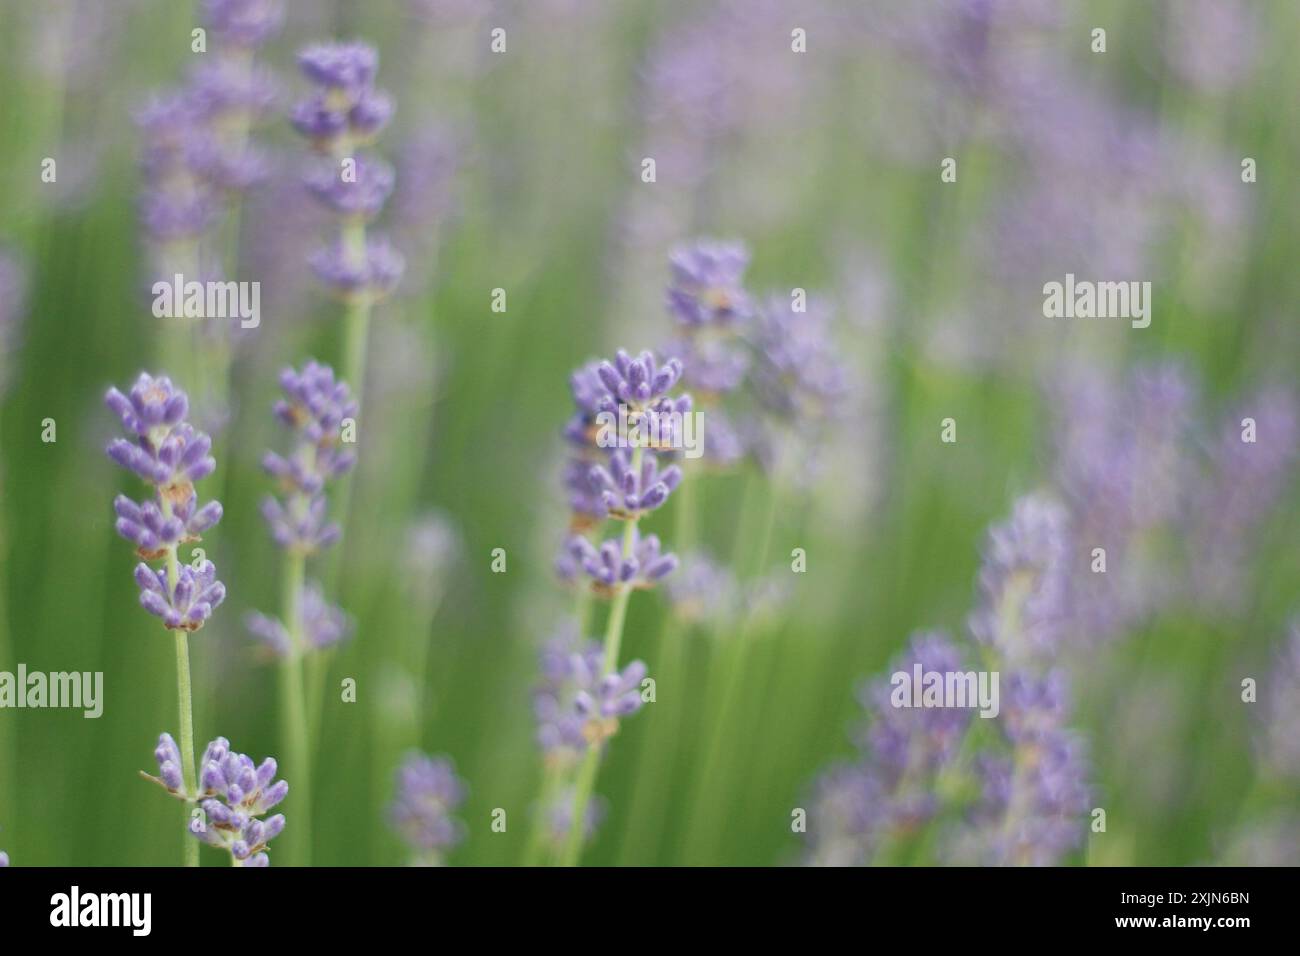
(317, 408)
(607, 480)
(170, 456)
(343, 114)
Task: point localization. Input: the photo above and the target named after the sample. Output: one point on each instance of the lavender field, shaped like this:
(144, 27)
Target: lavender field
(693, 433)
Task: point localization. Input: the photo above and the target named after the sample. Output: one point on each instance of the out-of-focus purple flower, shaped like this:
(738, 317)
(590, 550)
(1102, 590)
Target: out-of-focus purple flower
(428, 793)
(315, 403)
(346, 67)
(708, 284)
(346, 110)
(243, 23)
(369, 278)
(704, 591)
(797, 372)
(576, 704)
(890, 790)
(1024, 583)
(557, 817)
(1249, 466)
(323, 624)
(4, 858)
(1211, 44)
(608, 570)
(234, 794)
(360, 193)
(1034, 801)
(187, 605)
(316, 406)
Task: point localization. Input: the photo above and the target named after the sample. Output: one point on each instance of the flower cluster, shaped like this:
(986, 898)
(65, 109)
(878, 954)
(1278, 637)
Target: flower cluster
(323, 625)
(317, 408)
(168, 454)
(234, 794)
(867, 808)
(1024, 583)
(1177, 512)
(195, 148)
(1023, 796)
(607, 568)
(344, 113)
(577, 705)
(428, 793)
(757, 364)
(622, 409)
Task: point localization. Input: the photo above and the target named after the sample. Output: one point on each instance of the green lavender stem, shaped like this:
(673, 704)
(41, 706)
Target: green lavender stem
(184, 697)
(613, 642)
(293, 712)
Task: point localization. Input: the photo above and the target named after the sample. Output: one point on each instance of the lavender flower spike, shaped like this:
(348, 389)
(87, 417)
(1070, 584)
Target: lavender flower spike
(317, 407)
(170, 455)
(428, 793)
(234, 794)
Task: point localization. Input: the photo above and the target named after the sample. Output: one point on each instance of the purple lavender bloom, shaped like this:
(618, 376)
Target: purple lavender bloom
(316, 407)
(370, 280)
(428, 793)
(797, 373)
(1249, 468)
(558, 817)
(608, 570)
(234, 793)
(4, 858)
(346, 109)
(568, 665)
(1034, 801)
(576, 704)
(362, 195)
(324, 625)
(190, 603)
(639, 382)
(171, 455)
(889, 791)
(153, 533)
(1024, 582)
(346, 67)
(704, 591)
(628, 494)
(243, 23)
(316, 403)
(707, 286)
(614, 695)
(305, 527)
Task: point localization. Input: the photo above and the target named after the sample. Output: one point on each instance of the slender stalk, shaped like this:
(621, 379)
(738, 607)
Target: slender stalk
(613, 643)
(184, 697)
(293, 711)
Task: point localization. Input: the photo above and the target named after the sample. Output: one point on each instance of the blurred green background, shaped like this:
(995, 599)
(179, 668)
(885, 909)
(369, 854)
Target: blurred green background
(831, 177)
